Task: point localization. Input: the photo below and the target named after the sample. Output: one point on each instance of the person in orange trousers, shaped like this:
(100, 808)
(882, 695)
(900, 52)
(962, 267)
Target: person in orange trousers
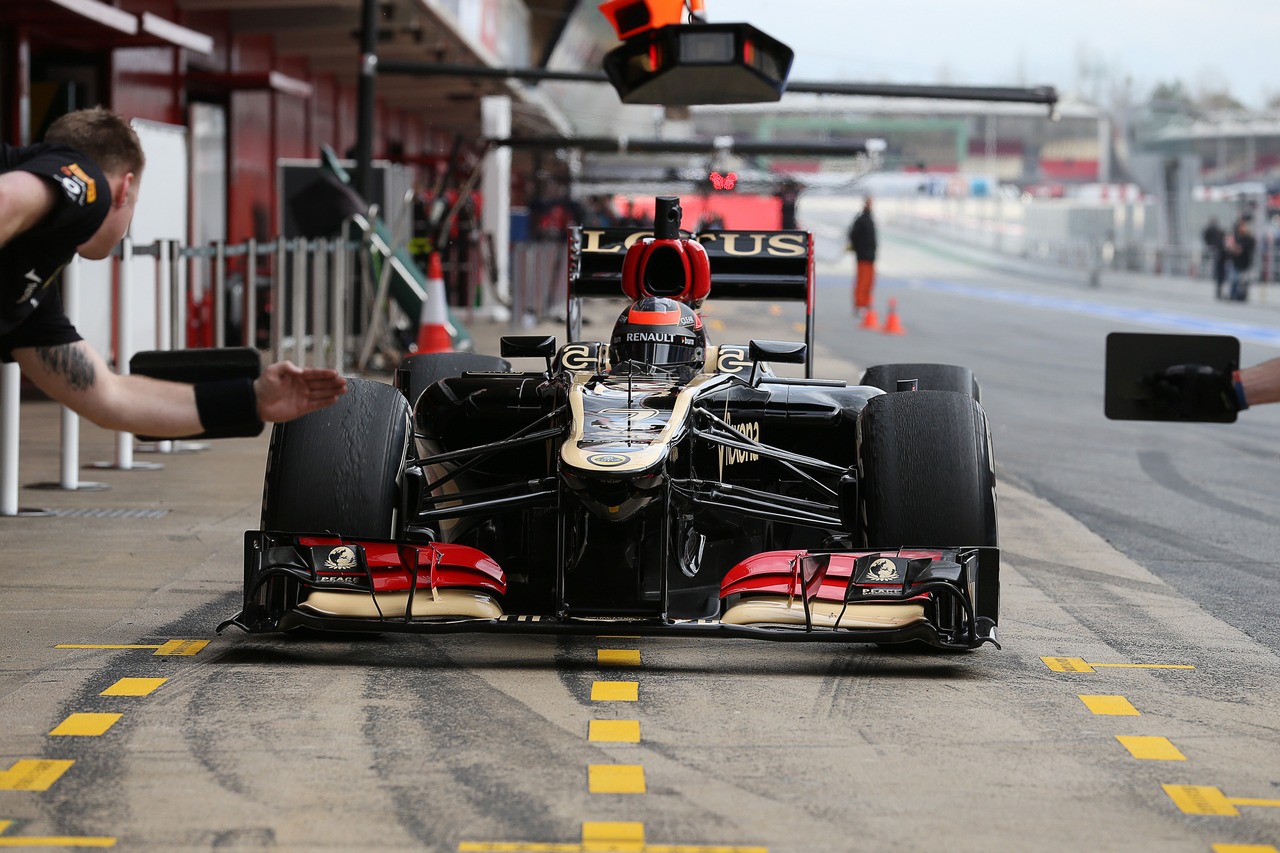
(862, 240)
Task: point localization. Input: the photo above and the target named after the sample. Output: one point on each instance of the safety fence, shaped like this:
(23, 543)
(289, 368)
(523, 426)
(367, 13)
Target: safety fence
(315, 302)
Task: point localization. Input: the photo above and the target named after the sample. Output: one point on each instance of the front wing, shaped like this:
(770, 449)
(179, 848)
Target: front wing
(947, 598)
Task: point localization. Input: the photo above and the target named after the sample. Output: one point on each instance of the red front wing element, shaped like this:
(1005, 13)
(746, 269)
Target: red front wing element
(437, 566)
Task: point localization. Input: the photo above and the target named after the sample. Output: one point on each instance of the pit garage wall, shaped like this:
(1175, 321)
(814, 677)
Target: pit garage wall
(262, 126)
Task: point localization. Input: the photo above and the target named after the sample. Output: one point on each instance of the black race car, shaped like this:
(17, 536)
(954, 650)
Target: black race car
(656, 482)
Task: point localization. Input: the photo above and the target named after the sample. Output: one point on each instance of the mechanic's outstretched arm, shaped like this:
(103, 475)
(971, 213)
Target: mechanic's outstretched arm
(76, 376)
(1261, 383)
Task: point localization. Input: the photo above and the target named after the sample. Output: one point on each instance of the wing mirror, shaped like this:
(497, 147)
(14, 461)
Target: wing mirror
(782, 352)
(528, 346)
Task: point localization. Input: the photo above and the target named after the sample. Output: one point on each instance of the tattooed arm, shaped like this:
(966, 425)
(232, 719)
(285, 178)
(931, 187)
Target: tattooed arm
(76, 376)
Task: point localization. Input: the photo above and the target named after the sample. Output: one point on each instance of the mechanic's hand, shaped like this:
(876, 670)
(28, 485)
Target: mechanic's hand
(286, 391)
(1192, 389)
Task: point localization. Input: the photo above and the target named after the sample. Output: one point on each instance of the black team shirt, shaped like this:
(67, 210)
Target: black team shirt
(31, 311)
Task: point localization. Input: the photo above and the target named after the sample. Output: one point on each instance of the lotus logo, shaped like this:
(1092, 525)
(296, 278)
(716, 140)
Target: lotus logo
(608, 460)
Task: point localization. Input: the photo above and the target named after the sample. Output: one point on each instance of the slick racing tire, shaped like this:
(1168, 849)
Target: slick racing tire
(422, 370)
(926, 476)
(929, 377)
(339, 470)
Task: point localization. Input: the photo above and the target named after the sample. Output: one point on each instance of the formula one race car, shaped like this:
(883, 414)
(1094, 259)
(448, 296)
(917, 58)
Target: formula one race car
(654, 483)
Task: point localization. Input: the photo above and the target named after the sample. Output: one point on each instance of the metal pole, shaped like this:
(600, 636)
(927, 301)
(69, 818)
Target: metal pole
(298, 315)
(320, 303)
(10, 399)
(277, 298)
(250, 331)
(219, 291)
(69, 476)
(365, 96)
(341, 277)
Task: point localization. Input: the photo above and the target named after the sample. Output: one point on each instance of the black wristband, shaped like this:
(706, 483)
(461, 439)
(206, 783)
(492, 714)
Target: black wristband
(228, 408)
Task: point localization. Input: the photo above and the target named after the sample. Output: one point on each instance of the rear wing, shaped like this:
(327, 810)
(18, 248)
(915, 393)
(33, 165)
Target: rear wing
(748, 265)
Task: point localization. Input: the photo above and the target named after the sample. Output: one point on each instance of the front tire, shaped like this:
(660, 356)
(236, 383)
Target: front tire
(926, 475)
(340, 469)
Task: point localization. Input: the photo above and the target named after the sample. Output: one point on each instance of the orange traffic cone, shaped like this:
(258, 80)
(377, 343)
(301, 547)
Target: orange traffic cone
(870, 320)
(435, 334)
(892, 325)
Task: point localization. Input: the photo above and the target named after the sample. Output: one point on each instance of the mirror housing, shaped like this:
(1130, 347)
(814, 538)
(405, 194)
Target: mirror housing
(527, 346)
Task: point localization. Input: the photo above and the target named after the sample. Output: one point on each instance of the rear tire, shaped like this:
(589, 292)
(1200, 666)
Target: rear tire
(423, 370)
(929, 377)
(340, 469)
(926, 475)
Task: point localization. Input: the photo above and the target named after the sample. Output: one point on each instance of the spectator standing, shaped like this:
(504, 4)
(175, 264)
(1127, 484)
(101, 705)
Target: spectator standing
(1215, 246)
(1244, 247)
(862, 240)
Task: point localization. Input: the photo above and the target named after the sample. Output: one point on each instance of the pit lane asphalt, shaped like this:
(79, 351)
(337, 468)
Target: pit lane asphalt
(417, 743)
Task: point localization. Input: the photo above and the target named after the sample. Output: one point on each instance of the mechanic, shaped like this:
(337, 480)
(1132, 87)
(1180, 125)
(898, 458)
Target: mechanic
(862, 241)
(75, 194)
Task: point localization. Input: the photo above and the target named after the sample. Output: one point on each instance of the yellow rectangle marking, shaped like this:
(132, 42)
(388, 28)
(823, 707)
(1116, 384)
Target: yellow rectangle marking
(33, 774)
(1067, 664)
(618, 657)
(134, 687)
(1200, 799)
(615, 691)
(85, 725)
(606, 832)
(1244, 848)
(1151, 748)
(614, 731)
(182, 647)
(1114, 706)
(615, 778)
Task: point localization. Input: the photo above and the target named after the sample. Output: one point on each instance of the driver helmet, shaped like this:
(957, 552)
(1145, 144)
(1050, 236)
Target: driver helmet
(660, 332)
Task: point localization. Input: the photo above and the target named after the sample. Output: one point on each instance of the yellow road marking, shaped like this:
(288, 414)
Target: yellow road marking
(184, 648)
(1244, 848)
(134, 687)
(86, 725)
(33, 774)
(542, 847)
(615, 778)
(172, 647)
(1151, 748)
(1059, 664)
(602, 832)
(1115, 706)
(615, 691)
(1205, 799)
(618, 657)
(52, 840)
(614, 731)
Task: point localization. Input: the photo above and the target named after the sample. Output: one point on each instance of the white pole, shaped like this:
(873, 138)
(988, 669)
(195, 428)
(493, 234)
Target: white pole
(164, 312)
(10, 399)
(124, 328)
(340, 279)
(495, 187)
